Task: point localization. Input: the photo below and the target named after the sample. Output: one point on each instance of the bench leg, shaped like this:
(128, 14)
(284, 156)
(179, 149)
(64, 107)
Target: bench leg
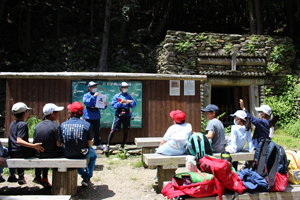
(64, 183)
(146, 150)
(164, 175)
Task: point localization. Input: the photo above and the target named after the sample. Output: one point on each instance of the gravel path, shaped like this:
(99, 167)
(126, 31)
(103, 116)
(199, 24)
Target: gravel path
(113, 179)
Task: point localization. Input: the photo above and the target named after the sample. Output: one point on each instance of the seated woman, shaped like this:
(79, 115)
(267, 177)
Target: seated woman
(240, 133)
(177, 135)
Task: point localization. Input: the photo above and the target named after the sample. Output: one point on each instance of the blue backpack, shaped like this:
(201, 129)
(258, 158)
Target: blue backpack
(270, 161)
(199, 146)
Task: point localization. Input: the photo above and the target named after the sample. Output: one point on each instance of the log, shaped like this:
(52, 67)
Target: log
(101, 75)
(164, 175)
(64, 183)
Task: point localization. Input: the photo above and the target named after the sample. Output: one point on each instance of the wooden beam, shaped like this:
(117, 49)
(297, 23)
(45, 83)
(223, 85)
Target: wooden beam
(101, 75)
(227, 61)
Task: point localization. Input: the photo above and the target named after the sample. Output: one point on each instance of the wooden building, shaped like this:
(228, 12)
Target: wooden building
(37, 89)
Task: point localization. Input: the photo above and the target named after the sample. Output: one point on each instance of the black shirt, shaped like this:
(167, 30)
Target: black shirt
(18, 129)
(48, 132)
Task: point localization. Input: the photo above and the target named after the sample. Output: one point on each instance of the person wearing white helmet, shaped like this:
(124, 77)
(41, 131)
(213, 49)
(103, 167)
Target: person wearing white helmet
(91, 113)
(240, 133)
(264, 127)
(122, 102)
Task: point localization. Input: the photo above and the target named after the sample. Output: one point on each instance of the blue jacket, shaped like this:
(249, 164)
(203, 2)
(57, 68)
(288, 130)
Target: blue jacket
(90, 101)
(117, 104)
(262, 129)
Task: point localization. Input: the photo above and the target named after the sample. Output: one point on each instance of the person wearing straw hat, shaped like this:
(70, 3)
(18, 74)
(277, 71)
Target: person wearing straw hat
(122, 102)
(91, 113)
(264, 127)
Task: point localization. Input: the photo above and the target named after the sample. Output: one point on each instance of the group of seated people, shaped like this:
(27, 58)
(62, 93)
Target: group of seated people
(72, 139)
(175, 139)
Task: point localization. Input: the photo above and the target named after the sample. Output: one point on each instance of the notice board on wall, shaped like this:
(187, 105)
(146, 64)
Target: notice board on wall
(110, 88)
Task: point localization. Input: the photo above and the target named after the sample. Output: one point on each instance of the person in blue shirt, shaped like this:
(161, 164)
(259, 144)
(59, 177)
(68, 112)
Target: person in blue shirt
(77, 141)
(240, 133)
(264, 127)
(122, 102)
(91, 113)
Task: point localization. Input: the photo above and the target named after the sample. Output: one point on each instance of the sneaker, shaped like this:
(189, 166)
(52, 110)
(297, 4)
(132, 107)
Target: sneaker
(85, 182)
(45, 183)
(101, 147)
(21, 181)
(2, 179)
(106, 149)
(12, 179)
(37, 180)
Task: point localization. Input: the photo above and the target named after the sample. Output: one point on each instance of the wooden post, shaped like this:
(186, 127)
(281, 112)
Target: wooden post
(164, 175)
(146, 150)
(64, 183)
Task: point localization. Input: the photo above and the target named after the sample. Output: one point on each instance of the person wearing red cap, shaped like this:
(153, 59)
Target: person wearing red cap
(177, 135)
(77, 140)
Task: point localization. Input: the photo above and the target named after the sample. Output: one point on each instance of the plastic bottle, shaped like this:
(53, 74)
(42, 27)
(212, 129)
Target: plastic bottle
(190, 164)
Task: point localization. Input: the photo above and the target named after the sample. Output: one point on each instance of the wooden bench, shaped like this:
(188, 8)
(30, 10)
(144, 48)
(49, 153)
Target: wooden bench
(167, 165)
(148, 145)
(64, 177)
(292, 192)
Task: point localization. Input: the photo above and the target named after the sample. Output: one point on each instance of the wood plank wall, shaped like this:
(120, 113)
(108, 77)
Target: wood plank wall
(157, 104)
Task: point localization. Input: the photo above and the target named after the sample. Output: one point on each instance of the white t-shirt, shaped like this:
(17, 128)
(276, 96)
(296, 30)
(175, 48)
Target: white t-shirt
(179, 133)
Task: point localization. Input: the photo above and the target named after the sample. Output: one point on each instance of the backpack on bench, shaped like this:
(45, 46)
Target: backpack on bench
(271, 163)
(199, 145)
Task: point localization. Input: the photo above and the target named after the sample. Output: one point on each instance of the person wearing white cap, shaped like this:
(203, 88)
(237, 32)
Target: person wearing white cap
(122, 102)
(264, 127)
(18, 145)
(91, 113)
(48, 132)
(240, 133)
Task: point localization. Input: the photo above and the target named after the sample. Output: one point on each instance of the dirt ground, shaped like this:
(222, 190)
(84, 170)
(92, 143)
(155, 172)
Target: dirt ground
(113, 179)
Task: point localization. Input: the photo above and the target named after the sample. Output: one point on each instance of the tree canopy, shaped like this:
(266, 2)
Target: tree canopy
(64, 35)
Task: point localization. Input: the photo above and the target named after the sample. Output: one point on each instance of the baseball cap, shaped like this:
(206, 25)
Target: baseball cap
(210, 107)
(264, 108)
(124, 84)
(51, 107)
(240, 114)
(76, 108)
(19, 108)
(177, 115)
(92, 83)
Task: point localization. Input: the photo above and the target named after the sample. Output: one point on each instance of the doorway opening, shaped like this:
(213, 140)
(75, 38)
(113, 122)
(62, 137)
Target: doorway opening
(227, 99)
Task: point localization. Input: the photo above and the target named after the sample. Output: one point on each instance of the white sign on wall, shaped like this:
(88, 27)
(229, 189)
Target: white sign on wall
(174, 87)
(189, 88)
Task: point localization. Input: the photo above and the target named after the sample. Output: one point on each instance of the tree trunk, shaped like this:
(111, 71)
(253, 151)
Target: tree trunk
(58, 18)
(82, 13)
(259, 20)
(92, 18)
(27, 41)
(102, 67)
(2, 5)
(164, 21)
(290, 13)
(252, 18)
(123, 23)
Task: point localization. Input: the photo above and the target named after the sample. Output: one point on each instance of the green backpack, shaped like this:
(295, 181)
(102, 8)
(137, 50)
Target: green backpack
(199, 146)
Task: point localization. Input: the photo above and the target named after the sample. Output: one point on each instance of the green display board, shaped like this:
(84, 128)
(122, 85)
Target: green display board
(110, 88)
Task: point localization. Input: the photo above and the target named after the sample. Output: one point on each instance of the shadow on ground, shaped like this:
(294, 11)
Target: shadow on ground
(23, 191)
(94, 192)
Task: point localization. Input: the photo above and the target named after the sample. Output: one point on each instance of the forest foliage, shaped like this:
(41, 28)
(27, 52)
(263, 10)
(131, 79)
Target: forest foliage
(64, 35)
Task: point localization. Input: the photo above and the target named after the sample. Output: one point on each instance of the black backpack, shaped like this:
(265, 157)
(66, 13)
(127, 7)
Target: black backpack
(199, 146)
(271, 162)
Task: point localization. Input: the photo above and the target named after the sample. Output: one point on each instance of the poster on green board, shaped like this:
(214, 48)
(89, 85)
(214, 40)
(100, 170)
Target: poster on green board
(110, 88)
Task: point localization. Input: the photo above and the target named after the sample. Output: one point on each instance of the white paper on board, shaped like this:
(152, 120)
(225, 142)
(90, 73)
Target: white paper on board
(101, 98)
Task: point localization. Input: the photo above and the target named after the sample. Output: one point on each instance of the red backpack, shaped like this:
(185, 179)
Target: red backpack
(222, 172)
(177, 188)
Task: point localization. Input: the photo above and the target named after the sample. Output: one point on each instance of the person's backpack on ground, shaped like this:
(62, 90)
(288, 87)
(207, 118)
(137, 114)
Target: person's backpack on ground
(199, 145)
(294, 167)
(271, 163)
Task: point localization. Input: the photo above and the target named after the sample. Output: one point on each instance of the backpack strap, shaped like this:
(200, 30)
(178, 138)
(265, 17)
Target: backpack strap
(196, 142)
(202, 153)
(260, 167)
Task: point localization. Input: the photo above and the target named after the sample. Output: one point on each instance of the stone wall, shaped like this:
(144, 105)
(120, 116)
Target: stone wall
(211, 53)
